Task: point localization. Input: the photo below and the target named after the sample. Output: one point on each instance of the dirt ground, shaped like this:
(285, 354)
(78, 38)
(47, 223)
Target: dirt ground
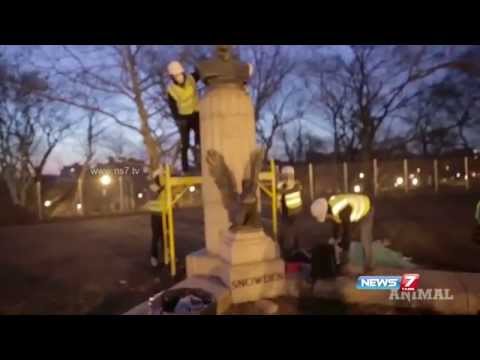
(96, 266)
(100, 266)
(315, 306)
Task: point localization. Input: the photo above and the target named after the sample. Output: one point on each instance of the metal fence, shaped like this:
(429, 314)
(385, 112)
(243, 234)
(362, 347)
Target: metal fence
(450, 174)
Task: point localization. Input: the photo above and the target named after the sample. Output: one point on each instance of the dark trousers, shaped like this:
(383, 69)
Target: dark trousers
(344, 230)
(157, 234)
(289, 239)
(186, 123)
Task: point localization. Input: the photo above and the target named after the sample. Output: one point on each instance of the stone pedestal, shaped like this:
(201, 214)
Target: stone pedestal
(249, 264)
(227, 125)
(252, 266)
(247, 247)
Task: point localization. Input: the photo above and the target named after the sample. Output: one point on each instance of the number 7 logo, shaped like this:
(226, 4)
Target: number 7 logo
(409, 282)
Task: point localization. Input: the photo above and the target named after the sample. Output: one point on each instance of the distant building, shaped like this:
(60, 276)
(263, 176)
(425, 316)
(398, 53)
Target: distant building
(71, 171)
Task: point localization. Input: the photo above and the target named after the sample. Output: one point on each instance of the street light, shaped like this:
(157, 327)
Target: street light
(399, 181)
(361, 175)
(105, 180)
(357, 188)
(415, 181)
(140, 195)
(47, 203)
(191, 189)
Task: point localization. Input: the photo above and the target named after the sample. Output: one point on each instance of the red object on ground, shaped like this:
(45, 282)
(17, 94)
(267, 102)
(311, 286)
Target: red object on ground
(293, 267)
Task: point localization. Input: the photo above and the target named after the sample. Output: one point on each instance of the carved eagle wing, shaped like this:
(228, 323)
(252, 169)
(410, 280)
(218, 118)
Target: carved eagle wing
(223, 178)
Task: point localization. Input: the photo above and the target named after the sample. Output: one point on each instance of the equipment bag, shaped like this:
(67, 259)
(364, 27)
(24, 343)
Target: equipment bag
(476, 235)
(323, 262)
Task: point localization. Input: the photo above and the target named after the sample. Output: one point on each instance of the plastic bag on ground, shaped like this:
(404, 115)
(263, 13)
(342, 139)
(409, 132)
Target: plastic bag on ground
(189, 304)
(382, 256)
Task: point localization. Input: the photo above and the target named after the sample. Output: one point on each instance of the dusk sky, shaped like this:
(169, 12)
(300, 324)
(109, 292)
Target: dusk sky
(70, 150)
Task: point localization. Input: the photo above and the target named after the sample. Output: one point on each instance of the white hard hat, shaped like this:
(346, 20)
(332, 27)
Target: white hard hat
(319, 209)
(175, 68)
(288, 170)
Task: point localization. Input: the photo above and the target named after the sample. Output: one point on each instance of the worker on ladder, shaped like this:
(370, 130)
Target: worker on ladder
(156, 208)
(183, 102)
(290, 202)
(343, 211)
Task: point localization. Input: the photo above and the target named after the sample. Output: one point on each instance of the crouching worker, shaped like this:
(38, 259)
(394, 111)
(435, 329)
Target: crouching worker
(291, 206)
(156, 208)
(346, 212)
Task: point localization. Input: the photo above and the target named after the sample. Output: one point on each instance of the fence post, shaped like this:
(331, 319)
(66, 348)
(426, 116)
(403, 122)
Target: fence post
(120, 184)
(375, 177)
(435, 174)
(310, 181)
(405, 174)
(467, 177)
(132, 196)
(39, 199)
(80, 196)
(345, 177)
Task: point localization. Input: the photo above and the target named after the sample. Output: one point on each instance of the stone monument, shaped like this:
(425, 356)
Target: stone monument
(237, 249)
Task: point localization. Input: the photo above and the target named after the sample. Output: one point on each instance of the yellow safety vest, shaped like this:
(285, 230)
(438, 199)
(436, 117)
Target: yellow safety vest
(360, 206)
(185, 96)
(157, 205)
(293, 198)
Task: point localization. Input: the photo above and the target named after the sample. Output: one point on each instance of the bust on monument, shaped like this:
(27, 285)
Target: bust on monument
(224, 68)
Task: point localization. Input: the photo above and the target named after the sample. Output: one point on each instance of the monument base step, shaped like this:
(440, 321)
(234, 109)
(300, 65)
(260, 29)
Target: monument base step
(247, 282)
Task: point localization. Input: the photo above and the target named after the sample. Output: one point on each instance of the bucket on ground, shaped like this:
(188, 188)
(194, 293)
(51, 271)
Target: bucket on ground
(183, 301)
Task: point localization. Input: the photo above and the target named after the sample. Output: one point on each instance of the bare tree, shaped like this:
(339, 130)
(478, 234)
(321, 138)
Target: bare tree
(30, 129)
(298, 143)
(280, 112)
(273, 65)
(93, 131)
(374, 85)
(128, 86)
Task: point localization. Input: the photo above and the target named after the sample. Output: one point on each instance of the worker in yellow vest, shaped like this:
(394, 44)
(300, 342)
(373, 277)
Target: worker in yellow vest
(156, 206)
(343, 211)
(183, 102)
(291, 206)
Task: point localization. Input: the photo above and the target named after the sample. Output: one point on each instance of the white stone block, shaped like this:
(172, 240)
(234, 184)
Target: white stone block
(254, 281)
(202, 263)
(248, 247)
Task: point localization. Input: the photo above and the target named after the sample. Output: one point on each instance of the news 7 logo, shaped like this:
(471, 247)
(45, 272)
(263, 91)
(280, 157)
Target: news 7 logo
(407, 282)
